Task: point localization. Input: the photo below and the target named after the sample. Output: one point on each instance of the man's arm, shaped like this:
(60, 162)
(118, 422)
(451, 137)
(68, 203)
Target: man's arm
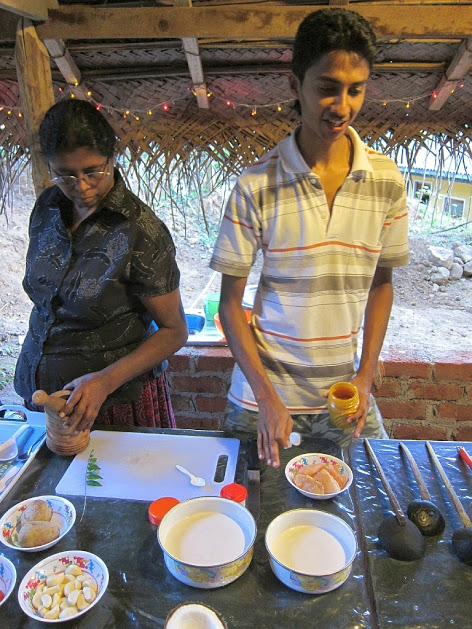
(274, 421)
(377, 314)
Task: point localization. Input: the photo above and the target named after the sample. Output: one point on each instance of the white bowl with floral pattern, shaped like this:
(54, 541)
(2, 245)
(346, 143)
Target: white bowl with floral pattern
(63, 514)
(303, 463)
(7, 578)
(310, 551)
(88, 566)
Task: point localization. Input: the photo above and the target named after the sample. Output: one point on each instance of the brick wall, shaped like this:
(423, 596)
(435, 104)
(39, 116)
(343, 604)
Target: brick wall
(420, 398)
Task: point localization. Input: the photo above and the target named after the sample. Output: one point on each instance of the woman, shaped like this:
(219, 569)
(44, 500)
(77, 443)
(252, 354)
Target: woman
(100, 270)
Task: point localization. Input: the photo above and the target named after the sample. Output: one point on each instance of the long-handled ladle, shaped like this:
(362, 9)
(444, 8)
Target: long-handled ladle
(423, 512)
(397, 534)
(461, 538)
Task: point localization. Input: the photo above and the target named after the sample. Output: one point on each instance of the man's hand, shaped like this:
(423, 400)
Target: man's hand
(273, 430)
(359, 417)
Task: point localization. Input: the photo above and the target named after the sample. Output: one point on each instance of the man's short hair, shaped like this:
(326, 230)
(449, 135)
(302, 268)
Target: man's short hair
(326, 30)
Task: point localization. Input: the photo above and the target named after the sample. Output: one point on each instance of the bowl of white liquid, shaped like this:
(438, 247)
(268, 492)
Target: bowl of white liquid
(207, 541)
(310, 551)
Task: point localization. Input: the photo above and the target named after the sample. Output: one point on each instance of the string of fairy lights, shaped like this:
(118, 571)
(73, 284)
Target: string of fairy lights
(166, 106)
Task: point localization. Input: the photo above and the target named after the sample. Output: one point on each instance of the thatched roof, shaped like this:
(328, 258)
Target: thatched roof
(145, 87)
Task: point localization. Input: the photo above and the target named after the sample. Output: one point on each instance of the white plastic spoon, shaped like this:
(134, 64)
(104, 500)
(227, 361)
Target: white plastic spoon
(9, 449)
(195, 480)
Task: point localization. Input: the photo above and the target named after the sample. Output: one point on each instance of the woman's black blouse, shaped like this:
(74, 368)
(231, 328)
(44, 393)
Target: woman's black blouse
(85, 287)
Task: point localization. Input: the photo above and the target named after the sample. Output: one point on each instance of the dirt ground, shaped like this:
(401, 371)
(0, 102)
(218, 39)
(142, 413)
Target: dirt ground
(424, 318)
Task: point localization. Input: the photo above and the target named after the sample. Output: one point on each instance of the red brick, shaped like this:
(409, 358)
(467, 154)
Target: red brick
(180, 362)
(182, 403)
(210, 404)
(217, 359)
(468, 392)
(197, 423)
(403, 431)
(395, 409)
(431, 391)
(464, 433)
(389, 388)
(448, 410)
(203, 384)
(454, 366)
(407, 369)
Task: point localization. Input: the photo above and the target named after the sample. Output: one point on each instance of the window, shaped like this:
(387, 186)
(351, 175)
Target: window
(422, 191)
(454, 207)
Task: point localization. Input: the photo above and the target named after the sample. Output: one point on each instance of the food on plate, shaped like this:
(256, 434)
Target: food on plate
(37, 533)
(37, 511)
(64, 594)
(34, 526)
(320, 478)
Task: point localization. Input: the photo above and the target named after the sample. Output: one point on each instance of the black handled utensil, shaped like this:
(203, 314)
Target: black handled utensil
(253, 479)
(423, 512)
(461, 538)
(397, 534)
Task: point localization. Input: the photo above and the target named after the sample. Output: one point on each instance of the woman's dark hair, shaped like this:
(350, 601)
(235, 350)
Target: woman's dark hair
(326, 30)
(72, 124)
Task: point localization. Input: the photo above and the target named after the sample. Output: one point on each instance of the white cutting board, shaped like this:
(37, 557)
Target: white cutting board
(141, 466)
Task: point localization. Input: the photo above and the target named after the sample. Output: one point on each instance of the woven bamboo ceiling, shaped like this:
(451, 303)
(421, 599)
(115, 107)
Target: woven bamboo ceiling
(211, 76)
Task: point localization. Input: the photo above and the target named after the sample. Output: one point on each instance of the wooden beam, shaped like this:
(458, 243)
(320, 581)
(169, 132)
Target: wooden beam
(66, 65)
(34, 79)
(455, 72)
(389, 21)
(153, 72)
(194, 61)
(37, 10)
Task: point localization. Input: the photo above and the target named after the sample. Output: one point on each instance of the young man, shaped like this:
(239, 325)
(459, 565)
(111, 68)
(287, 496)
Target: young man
(330, 217)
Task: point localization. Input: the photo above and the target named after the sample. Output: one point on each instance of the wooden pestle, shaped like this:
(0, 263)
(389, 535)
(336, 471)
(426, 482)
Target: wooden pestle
(53, 404)
(61, 437)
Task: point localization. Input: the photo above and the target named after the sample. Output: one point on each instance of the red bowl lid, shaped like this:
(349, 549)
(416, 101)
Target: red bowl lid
(160, 507)
(234, 491)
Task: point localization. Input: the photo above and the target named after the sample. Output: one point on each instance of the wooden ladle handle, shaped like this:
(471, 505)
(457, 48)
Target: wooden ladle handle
(52, 403)
(447, 483)
(401, 518)
(425, 495)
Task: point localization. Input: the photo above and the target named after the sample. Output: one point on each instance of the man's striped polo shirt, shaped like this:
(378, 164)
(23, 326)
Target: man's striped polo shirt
(317, 266)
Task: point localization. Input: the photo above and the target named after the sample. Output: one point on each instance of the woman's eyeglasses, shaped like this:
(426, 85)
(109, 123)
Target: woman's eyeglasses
(70, 180)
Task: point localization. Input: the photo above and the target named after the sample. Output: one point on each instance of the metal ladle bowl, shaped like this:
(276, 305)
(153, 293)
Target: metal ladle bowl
(397, 534)
(461, 538)
(423, 512)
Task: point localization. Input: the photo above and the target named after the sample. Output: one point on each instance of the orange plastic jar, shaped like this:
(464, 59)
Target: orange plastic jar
(343, 401)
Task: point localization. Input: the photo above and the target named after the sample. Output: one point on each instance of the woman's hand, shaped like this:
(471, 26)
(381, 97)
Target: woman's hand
(84, 403)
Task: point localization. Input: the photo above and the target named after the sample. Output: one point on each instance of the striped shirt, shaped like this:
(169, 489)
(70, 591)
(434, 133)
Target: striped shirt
(317, 266)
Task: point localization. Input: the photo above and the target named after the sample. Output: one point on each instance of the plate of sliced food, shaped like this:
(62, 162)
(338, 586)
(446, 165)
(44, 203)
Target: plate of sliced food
(318, 476)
